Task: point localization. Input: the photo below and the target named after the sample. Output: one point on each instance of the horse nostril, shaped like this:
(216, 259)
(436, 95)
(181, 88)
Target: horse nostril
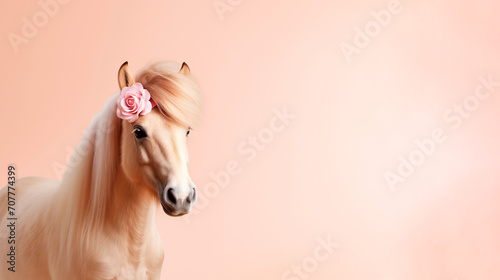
(171, 197)
(194, 194)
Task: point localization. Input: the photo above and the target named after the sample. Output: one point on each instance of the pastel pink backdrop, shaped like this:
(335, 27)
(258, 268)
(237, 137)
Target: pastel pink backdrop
(324, 173)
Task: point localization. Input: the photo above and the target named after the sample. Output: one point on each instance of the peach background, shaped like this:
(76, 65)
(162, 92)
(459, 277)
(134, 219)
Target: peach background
(324, 174)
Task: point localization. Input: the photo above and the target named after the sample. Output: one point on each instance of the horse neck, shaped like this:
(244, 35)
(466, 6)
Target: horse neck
(126, 208)
(130, 208)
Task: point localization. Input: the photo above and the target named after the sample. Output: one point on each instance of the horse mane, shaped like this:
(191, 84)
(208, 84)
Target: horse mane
(176, 95)
(80, 206)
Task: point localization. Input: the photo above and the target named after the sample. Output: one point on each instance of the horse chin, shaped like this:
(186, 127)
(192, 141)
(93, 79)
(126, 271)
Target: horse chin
(171, 212)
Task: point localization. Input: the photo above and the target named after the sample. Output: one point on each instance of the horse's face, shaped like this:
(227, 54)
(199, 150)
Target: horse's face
(155, 151)
(154, 156)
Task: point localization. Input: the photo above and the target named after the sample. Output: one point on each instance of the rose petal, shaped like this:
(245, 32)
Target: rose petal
(138, 86)
(147, 108)
(133, 118)
(141, 105)
(134, 107)
(122, 93)
(135, 94)
(147, 94)
(119, 113)
(122, 103)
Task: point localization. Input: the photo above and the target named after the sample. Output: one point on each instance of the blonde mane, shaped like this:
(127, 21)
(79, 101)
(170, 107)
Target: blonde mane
(80, 203)
(176, 95)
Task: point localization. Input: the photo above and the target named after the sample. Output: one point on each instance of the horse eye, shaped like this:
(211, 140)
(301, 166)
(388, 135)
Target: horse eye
(139, 132)
(188, 131)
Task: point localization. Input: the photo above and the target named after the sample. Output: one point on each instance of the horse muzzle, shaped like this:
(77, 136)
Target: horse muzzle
(176, 202)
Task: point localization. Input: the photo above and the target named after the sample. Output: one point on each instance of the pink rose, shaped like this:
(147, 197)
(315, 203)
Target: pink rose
(132, 102)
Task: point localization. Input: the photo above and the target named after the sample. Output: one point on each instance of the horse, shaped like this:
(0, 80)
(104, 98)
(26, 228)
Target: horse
(98, 221)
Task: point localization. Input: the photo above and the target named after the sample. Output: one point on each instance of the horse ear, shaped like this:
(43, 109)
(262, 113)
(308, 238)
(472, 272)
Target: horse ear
(125, 78)
(185, 70)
